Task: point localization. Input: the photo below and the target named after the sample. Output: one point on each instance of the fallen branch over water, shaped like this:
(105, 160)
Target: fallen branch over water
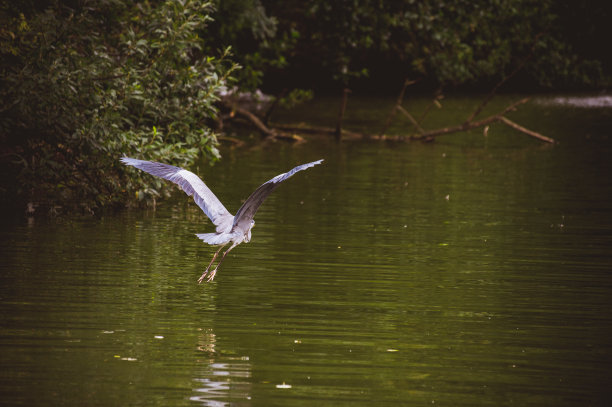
(290, 132)
(526, 131)
(499, 117)
(268, 132)
(469, 124)
(427, 135)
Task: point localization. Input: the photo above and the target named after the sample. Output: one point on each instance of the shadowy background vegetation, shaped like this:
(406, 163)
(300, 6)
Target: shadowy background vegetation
(376, 45)
(85, 82)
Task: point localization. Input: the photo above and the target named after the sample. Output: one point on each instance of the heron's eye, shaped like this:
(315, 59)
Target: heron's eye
(252, 223)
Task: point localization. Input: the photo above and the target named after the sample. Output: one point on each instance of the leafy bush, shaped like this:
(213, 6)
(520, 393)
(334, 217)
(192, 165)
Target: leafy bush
(447, 42)
(83, 86)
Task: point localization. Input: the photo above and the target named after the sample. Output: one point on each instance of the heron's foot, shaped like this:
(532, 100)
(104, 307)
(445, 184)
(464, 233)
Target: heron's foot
(202, 277)
(211, 275)
(205, 274)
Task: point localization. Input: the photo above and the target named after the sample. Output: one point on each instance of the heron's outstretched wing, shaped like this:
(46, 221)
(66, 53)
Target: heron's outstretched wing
(247, 211)
(191, 184)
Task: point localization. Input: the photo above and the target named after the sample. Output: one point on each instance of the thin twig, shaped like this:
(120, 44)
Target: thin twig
(526, 131)
(398, 102)
(434, 102)
(277, 99)
(338, 132)
(412, 119)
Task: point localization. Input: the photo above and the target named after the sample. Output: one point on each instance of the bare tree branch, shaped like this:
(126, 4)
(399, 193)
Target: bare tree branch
(526, 131)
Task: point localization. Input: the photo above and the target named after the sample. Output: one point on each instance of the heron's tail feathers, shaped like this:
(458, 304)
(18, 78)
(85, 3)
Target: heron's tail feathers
(214, 238)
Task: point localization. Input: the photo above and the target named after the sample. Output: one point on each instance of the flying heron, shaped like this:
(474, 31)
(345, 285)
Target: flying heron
(229, 228)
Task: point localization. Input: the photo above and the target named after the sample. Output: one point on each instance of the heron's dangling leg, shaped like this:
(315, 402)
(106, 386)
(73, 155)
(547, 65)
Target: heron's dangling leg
(211, 276)
(210, 264)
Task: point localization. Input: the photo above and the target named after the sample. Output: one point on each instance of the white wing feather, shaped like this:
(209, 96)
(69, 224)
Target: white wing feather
(193, 186)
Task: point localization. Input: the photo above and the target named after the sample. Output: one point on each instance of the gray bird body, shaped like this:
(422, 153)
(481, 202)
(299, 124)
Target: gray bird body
(229, 228)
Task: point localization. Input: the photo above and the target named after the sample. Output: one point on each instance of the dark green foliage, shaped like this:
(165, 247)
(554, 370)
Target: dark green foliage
(83, 86)
(251, 31)
(446, 42)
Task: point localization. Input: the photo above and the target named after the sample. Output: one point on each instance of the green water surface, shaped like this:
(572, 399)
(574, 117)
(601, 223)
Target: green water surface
(470, 271)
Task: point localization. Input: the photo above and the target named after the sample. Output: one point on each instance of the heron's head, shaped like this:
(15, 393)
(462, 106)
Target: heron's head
(247, 237)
